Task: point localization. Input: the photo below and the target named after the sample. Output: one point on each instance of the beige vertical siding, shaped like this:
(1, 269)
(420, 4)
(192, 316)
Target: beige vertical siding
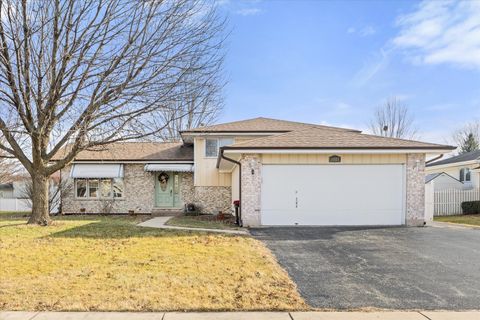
(206, 172)
(323, 158)
(235, 183)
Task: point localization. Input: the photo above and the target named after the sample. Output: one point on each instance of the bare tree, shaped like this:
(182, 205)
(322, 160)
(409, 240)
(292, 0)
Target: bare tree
(54, 193)
(88, 73)
(393, 119)
(199, 109)
(9, 167)
(467, 138)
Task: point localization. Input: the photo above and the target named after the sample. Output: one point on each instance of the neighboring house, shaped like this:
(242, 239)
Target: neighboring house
(6, 190)
(13, 196)
(443, 181)
(283, 173)
(13, 190)
(464, 167)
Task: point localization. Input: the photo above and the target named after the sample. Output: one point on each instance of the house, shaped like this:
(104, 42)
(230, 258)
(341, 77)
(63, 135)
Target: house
(282, 172)
(464, 167)
(443, 181)
(14, 189)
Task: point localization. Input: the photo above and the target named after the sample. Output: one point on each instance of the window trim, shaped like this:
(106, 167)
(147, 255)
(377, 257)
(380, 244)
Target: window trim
(99, 189)
(205, 149)
(463, 175)
(218, 146)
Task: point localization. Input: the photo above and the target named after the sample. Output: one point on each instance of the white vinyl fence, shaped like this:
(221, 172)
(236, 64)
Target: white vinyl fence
(449, 202)
(14, 204)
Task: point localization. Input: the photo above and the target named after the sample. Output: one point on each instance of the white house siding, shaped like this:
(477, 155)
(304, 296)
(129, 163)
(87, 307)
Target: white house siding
(444, 182)
(454, 171)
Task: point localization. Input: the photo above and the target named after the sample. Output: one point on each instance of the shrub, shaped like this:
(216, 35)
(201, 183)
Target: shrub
(471, 207)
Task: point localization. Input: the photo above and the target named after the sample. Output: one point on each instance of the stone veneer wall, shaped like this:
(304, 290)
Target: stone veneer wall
(415, 170)
(207, 199)
(251, 189)
(139, 192)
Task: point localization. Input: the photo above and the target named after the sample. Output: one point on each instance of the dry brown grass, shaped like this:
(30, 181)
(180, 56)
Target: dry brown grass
(469, 219)
(99, 263)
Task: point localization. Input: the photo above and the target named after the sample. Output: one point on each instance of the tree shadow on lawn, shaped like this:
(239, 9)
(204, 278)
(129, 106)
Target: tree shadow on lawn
(111, 229)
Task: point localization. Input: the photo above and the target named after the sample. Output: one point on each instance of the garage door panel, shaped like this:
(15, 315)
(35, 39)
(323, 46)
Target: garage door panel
(332, 195)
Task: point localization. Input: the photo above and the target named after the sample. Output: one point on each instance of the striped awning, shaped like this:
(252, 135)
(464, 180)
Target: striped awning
(84, 170)
(155, 167)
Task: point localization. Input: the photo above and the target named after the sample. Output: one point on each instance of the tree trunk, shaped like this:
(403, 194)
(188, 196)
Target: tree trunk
(40, 212)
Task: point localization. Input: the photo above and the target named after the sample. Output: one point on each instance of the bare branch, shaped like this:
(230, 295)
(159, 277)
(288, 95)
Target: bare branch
(394, 120)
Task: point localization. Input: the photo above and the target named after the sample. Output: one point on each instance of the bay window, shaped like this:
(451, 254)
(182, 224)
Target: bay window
(99, 188)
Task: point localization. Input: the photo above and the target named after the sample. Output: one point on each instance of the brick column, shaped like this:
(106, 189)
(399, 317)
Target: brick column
(251, 189)
(415, 189)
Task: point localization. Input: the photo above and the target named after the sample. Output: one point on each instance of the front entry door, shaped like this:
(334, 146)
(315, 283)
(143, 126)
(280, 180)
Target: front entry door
(167, 189)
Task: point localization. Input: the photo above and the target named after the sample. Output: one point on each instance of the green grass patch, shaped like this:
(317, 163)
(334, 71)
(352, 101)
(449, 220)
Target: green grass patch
(470, 219)
(14, 214)
(97, 263)
(198, 222)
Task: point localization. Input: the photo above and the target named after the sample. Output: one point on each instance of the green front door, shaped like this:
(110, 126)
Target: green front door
(167, 190)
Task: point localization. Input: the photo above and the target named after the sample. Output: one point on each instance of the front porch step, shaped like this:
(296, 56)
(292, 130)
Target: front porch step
(163, 212)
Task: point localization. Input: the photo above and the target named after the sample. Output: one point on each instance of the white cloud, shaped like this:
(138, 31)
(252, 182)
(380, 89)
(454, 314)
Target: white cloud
(378, 61)
(367, 31)
(441, 32)
(248, 11)
(363, 32)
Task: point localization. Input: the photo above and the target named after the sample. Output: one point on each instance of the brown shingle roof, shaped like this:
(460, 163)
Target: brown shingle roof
(134, 151)
(262, 125)
(319, 138)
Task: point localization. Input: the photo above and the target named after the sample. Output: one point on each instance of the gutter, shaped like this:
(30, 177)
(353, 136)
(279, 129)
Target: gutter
(222, 156)
(434, 159)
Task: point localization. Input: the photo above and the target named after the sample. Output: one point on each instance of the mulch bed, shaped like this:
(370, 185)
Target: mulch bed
(226, 219)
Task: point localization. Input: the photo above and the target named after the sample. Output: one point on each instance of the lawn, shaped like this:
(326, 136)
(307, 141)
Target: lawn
(110, 264)
(471, 219)
(14, 214)
(197, 222)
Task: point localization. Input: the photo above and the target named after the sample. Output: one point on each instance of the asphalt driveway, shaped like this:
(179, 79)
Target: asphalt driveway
(395, 268)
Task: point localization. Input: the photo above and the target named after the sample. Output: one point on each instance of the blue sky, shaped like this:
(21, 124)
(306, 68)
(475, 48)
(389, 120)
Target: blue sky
(334, 62)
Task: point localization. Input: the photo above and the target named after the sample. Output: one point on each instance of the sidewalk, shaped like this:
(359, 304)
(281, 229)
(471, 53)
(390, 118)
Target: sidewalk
(394, 315)
(159, 222)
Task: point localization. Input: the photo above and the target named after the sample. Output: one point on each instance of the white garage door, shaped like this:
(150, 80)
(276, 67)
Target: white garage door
(332, 195)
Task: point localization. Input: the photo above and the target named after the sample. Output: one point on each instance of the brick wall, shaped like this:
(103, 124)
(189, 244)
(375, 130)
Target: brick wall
(139, 192)
(207, 199)
(415, 188)
(251, 189)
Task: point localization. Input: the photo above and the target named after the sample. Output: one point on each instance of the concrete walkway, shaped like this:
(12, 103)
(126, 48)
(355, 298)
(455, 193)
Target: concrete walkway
(159, 222)
(424, 315)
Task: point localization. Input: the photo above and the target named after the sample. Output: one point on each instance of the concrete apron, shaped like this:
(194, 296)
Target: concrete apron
(424, 315)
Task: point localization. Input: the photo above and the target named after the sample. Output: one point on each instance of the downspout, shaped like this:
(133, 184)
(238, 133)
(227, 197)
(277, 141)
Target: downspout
(222, 156)
(434, 159)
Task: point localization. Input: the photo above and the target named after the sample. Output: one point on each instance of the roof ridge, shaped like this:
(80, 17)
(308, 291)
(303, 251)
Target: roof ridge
(335, 135)
(275, 135)
(210, 127)
(403, 139)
